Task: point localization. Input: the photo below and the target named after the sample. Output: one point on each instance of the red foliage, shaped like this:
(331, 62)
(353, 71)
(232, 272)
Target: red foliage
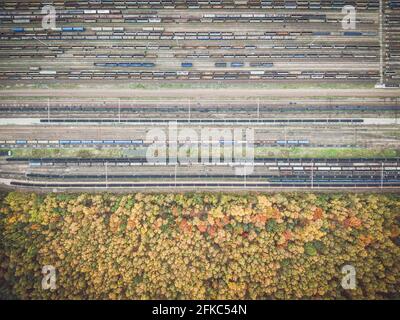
(288, 235)
(317, 214)
(175, 211)
(260, 218)
(184, 226)
(202, 227)
(211, 231)
(352, 222)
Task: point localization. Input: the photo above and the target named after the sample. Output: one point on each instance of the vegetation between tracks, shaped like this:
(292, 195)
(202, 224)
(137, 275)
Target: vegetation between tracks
(200, 246)
(329, 153)
(267, 152)
(68, 152)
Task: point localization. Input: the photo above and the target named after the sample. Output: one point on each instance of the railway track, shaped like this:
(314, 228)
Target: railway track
(273, 178)
(183, 108)
(218, 184)
(300, 166)
(279, 173)
(198, 41)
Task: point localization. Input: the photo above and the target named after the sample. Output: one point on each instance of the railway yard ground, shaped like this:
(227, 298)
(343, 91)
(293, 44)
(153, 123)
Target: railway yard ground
(317, 104)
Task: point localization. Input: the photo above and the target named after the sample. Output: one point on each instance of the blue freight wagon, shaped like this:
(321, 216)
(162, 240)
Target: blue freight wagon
(321, 33)
(352, 33)
(261, 64)
(78, 29)
(237, 64)
(126, 64)
(228, 142)
(137, 141)
(18, 29)
(186, 64)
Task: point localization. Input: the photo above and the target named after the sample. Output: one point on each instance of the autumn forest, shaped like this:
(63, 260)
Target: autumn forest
(200, 245)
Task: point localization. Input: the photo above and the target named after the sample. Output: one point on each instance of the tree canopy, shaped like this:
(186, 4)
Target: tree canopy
(200, 246)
